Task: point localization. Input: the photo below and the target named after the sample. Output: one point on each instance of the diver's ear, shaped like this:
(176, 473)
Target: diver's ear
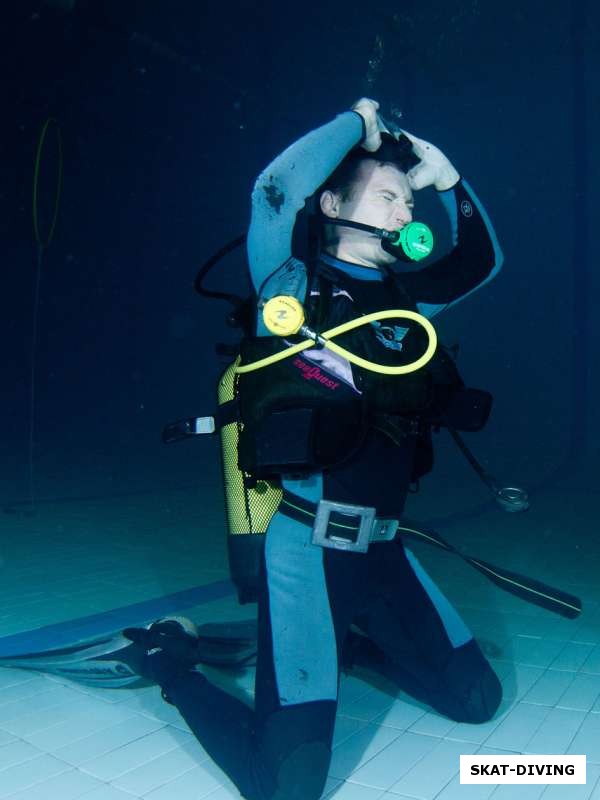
(330, 204)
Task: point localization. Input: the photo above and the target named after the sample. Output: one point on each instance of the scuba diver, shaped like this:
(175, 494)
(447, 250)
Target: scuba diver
(337, 587)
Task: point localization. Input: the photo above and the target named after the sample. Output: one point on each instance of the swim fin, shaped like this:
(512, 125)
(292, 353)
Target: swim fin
(107, 661)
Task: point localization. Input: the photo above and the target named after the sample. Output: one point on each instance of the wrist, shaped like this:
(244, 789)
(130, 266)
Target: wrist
(363, 134)
(447, 180)
(444, 187)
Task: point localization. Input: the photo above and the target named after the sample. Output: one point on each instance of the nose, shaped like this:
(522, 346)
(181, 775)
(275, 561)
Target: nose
(402, 214)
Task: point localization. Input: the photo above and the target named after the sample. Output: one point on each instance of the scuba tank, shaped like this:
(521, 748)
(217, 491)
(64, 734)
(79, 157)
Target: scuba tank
(249, 504)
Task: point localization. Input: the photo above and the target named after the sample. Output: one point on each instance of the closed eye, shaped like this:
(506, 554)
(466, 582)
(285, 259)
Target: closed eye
(391, 197)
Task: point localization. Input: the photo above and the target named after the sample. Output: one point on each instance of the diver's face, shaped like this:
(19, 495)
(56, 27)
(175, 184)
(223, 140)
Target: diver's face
(380, 196)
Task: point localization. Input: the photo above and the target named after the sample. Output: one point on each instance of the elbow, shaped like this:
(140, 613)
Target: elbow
(498, 260)
(268, 193)
(259, 185)
(258, 190)
(494, 256)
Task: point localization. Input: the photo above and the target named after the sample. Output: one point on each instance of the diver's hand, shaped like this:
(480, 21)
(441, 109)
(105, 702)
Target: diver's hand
(368, 111)
(433, 168)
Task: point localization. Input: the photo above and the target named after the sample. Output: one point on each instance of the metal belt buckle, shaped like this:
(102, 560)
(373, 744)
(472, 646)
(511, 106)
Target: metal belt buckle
(345, 537)
(384, 530)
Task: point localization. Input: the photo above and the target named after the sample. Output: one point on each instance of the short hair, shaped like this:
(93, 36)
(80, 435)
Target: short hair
(391, 151)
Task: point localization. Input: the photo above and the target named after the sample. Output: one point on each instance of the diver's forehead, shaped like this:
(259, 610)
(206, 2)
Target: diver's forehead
(389, 177)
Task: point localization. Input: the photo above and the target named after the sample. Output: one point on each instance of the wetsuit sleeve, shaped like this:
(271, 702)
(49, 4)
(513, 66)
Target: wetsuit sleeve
(282, 189)
(473, 261)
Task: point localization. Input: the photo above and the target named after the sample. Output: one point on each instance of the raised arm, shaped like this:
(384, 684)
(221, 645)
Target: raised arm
(284, 186)
(476, 256)
(474, 260)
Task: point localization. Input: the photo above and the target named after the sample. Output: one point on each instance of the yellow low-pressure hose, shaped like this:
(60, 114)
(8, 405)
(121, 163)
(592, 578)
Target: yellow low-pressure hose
(288, 319)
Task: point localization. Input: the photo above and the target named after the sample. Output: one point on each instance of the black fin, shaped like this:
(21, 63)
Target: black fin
(106, 661)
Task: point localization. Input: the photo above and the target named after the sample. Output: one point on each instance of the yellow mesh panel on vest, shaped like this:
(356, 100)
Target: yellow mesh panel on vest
(248, 510)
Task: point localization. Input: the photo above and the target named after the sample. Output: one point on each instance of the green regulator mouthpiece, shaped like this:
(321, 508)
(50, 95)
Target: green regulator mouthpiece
(411, 243)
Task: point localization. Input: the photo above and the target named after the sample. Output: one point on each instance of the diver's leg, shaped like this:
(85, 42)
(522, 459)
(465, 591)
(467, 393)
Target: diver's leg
(281, 755)
(282, 749)
(416, 638)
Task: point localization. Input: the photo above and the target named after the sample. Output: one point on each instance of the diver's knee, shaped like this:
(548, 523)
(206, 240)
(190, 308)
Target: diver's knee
(484, 698)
